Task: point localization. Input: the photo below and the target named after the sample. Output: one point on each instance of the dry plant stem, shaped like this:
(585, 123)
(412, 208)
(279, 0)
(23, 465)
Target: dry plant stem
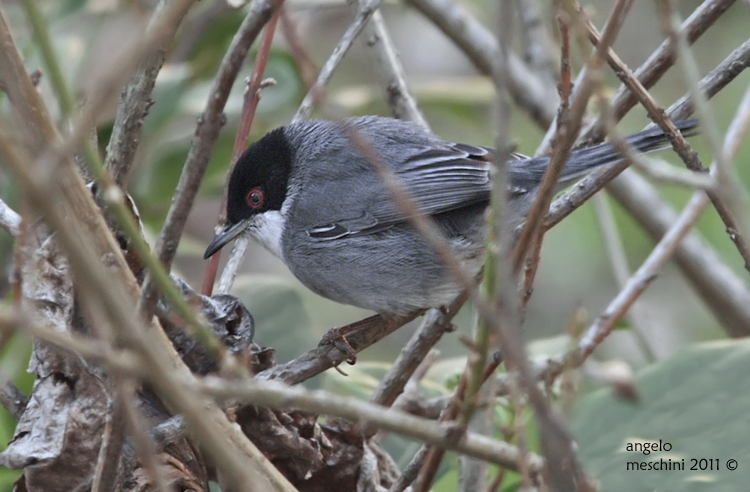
(250, 103)
(233, 264)
(533, 94)
(681, 146)
(565, 88)
(220, 438)
(409, 474)
(113, 438)
(145, 448)
(729, 200)
(618, 261)
(390, 72)
(567, 131)
(711, 84)
(657, 64)
(276, 395)
(335, 59)
(537, 43)
(135, 101)
(498, 284)
(427, 335)
(206, 134)
(84, 235)
(9, 219)
(316, 361)
(643, 277)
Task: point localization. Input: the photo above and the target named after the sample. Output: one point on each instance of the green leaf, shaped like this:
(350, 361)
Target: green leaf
(697, 401)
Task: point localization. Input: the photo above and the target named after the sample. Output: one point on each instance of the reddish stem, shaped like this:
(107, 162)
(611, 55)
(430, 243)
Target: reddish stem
(251, 98)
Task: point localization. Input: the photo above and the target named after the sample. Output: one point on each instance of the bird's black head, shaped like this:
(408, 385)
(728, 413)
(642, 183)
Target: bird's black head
(259, 180)
(258, 184)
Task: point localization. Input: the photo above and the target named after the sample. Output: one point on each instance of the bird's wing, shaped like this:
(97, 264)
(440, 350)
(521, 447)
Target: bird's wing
(437, 179)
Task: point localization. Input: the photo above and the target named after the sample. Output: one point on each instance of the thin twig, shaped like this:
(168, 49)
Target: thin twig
(346, 41)
(643, 277)
(278, 395)
(565, 89)
(135, 101)
(532, 93)
(250, 102)
(427, 335)
(712, 83)
(657, 64)
(388, 67)
(409, 474)
(566, 133)
(206, 134)
(9, 219)
(729, 200)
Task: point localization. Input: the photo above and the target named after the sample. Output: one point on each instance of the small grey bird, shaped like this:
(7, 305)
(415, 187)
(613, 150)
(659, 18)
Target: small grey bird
(307, 193)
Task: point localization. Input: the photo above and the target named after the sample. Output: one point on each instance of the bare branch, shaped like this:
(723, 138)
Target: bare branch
(277, 395)
(9, 219)
(712, 83)
(135, 101)
(657, 64)
(427, 335)
(390, 72)
(346, 41)
(530, 92)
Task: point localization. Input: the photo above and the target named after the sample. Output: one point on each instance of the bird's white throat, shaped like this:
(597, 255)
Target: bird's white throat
(267, 229)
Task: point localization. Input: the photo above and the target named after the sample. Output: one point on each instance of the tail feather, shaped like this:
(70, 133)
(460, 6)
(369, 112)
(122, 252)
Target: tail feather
(585, 159)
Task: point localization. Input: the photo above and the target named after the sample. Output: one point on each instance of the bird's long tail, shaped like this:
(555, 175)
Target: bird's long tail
(583, 160)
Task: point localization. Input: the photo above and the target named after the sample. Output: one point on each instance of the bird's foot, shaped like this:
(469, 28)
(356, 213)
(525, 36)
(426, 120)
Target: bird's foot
(336, 338)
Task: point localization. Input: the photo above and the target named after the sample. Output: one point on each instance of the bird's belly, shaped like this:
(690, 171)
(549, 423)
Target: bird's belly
(392, 274)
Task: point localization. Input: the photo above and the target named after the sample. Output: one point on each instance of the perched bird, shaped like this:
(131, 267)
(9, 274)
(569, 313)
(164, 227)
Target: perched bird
(308, 194)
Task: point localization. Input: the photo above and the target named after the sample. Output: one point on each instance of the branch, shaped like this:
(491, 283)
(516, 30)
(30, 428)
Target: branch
(9, 219)
(529, 91)
(336, 57)
(390, 72)
(419, 345)
(657, 64)
(276, 395)
(135, 101)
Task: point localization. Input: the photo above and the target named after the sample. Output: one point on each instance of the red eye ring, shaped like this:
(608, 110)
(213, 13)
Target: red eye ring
(255, 198)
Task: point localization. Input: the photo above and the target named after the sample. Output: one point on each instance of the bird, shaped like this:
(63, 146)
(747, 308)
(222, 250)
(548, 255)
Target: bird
(312, 197)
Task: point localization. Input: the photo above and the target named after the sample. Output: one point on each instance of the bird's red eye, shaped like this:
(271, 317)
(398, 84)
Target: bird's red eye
(255, 198)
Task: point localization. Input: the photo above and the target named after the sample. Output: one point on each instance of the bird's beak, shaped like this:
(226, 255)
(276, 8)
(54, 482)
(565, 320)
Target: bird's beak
(230, 232)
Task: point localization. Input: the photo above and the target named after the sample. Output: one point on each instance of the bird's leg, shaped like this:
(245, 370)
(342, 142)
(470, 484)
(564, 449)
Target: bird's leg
(336, 337)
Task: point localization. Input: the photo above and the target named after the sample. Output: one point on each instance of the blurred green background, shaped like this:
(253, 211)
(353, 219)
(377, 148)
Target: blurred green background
(458, 103)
